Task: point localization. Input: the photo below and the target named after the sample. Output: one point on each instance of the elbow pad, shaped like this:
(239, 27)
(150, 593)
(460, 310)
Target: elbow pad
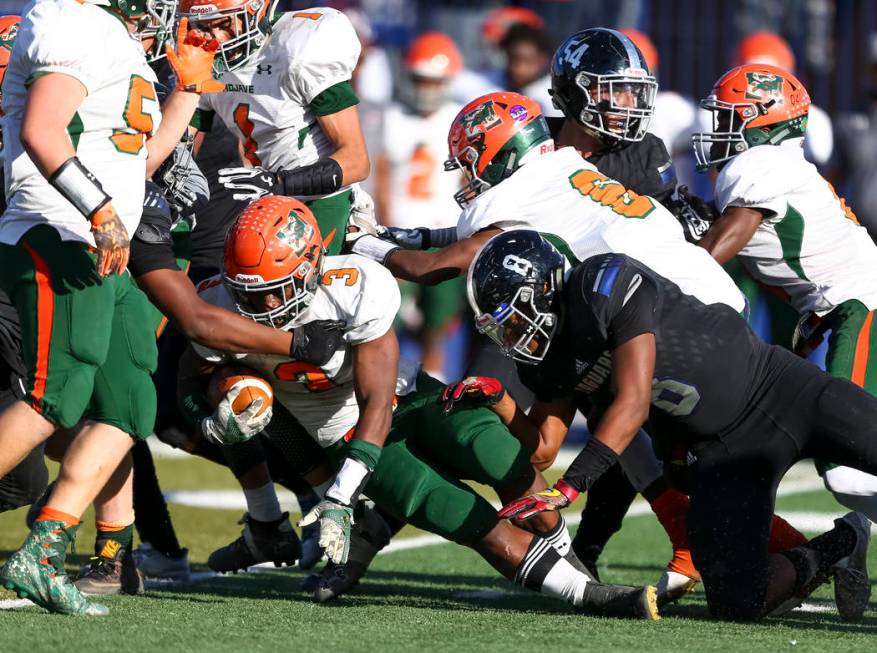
(320, 178)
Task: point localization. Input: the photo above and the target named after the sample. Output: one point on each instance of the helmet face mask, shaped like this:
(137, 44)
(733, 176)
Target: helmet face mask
(599, 80)
(751, 105)
(272, 261)
(521, 330)
(158, 25)
(513, 287)
(244, 27)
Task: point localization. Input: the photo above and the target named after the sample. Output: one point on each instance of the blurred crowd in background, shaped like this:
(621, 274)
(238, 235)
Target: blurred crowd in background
(423, 59)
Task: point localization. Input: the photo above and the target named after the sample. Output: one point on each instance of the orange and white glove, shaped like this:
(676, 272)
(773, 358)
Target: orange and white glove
(111, 241)
(193, 61)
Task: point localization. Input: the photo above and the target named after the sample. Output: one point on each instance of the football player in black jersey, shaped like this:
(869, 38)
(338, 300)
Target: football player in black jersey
(630, 342)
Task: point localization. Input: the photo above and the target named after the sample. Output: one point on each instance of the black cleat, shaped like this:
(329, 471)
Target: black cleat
(620, 601)
(275, 542)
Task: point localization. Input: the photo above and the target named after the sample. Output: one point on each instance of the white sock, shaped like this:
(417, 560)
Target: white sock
(559, 537)
(262, 503)
(544, 570)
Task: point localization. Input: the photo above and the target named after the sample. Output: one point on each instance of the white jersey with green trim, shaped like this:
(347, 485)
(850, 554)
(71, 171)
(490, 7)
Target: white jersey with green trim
(109, 129)
(810, 244)
(354, 289)
(584, 213)
(266, 102)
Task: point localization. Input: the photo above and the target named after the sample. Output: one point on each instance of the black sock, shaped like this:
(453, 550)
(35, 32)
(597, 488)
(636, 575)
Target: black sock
(608, 502)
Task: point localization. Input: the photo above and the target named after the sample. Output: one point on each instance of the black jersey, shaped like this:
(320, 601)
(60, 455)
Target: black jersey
(709, 366)
(645, 167)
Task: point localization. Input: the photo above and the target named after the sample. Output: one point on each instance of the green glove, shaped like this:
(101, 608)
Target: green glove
(335, 521)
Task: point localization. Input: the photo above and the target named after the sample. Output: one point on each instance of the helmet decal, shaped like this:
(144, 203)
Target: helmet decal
(517, 265)
(764, 87)
(518, 112)
(7, 38)
(296, 233)
(480, 120)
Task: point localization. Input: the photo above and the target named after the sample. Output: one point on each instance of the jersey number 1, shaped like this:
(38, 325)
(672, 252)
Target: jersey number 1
(243, 122)
(133, 139)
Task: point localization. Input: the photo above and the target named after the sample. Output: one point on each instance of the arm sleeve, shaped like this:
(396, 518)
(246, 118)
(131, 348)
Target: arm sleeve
(202, 119)
(661, 181)
(334, 99)
(152, 247)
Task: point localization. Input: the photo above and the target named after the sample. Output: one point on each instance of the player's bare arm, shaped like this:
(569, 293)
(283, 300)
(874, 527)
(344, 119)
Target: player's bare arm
(731, 232)
(344, 131)
(374, 373)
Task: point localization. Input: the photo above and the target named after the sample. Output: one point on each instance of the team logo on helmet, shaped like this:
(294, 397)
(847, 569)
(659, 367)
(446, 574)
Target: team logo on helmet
(518, 112)
(480, 120)
(296, 233)
(7, 38)
(764, 87)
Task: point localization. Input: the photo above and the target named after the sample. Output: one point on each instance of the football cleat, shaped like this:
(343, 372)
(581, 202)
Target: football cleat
(116, 575)
(619, 601)
(852, 589)
(152, 563)
(370, 534)
(275, 542)
(679, 578)
(36, 571)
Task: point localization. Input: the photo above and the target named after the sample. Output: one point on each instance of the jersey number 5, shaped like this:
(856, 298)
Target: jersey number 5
(133, 139)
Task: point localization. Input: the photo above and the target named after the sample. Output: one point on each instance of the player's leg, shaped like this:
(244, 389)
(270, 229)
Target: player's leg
(416, 490)
(112, 569)
(850, 356)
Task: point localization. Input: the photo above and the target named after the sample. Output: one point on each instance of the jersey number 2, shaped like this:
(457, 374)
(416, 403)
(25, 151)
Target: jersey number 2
(126, 140)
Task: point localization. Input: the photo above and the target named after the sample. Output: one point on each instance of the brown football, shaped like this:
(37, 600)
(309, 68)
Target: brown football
(251, 387)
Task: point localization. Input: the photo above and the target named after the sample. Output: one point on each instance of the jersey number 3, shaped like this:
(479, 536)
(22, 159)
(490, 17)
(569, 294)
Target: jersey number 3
(133, 139)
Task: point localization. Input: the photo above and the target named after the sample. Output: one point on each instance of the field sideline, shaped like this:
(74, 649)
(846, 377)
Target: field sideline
(419, 595)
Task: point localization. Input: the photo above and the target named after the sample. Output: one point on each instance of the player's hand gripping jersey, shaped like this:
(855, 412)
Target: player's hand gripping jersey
(109, 130)
(269, 101)
(353, 289)
(583, 213)
(810, 244)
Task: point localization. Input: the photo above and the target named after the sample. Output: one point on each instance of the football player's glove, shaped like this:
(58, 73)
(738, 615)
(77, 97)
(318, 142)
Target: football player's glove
(250, 183)
(335, 520)
(317, 341)
(474, 390)
(192, 63)
(809, 334)
(694, 214)
(417, 238)
(554, 498)
(224, 427)
(363, 234)
(111, 240)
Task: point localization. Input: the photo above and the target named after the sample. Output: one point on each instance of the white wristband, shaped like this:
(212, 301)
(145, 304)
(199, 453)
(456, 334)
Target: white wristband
(373, 247)
(348, 483)
(79, 187)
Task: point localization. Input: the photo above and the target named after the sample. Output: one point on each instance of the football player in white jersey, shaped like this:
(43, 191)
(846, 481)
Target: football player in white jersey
(379, 418)
(289, 99)
(503, 136)
(412, 189)
(792, 232)
(82, 132)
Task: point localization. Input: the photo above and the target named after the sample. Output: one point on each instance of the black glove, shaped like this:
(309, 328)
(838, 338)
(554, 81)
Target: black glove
(694, 214)
(316, 342)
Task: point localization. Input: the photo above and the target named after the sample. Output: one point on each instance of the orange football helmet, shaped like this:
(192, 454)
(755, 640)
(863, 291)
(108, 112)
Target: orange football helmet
(755, 104)
(8, 32)
(251, 24)
(765, 47)
(433, 55)
(491, 137)
(430, 63)
(273, 248)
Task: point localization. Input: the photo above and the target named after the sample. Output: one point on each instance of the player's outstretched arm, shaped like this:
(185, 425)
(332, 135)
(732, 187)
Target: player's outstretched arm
(731, 232)
(214, 327)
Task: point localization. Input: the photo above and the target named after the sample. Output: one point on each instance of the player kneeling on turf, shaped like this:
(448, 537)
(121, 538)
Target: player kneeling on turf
(379, 419)
(614, 333)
